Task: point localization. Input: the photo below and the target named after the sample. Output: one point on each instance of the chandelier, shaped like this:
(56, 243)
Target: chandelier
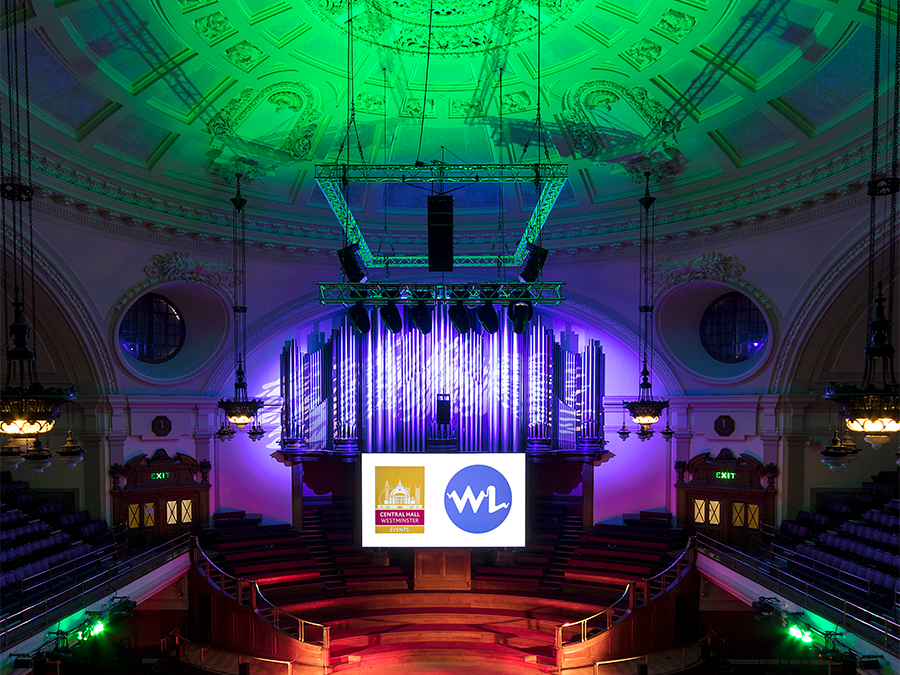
(240, 410)
(874, 407)
(27, 408)
(646, 410)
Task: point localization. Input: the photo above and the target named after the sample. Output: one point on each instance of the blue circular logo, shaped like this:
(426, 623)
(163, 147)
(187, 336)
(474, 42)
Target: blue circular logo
(478, 499)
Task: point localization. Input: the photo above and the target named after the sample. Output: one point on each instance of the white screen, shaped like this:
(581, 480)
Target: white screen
(460, 500)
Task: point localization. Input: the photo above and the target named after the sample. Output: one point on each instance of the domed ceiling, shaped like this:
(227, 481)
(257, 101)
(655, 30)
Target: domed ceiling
(145, 110)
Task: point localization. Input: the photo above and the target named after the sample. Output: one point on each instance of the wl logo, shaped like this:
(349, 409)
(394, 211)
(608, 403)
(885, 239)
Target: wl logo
(466, 510)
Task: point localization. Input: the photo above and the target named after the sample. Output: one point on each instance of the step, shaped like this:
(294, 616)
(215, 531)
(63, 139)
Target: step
(393, 634)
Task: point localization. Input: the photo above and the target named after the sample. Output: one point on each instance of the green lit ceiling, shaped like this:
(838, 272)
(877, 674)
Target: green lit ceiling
(730, 104)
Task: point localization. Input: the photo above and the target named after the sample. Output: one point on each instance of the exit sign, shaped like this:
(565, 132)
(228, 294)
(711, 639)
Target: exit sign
(159, 475)
(726, 475)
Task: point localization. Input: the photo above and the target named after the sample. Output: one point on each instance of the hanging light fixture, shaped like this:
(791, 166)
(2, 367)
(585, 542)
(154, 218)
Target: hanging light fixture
(874, 407)
(839, 453)
(646, 410)
(240, 410)
(27, 408)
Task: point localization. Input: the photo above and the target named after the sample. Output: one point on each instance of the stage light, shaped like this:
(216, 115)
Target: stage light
(359, 317)
(352, 264)
(487, 315)
(534, 263)
(390, 317)
(420, 314)
(800, 633)
(520, 312)
(459, 313)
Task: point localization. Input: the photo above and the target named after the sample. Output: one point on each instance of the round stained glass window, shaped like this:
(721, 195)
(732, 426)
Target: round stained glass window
(733, 329)
(152, 330)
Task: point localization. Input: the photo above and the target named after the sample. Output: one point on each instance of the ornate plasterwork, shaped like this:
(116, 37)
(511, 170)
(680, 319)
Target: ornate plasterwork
(515, 102)
(711, 266)
(294, 98)
(675, 25)
(214, 28)
(591, 142)
(370, 103)
(643, 53)
(176, 266)
(412, 107)
(457, 27)
(464, 107)
(245, 55)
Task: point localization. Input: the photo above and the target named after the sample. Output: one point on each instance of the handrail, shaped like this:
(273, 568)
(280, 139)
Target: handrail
(866, 585)
(888, 629)
(628, 593)
(179, 639)
(25, 618)
(255, 592)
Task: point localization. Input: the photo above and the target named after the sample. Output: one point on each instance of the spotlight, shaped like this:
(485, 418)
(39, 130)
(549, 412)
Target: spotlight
(520, 312)
(534, 263)
(487, 315)
(420, 314)
(459, 313)
(390, 317)
(359, 317)
(352, 264)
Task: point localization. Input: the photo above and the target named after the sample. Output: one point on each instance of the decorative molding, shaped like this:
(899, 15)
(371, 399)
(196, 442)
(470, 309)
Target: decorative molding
(711, 266)
(176, 266)
(589, 142)
(458, 29)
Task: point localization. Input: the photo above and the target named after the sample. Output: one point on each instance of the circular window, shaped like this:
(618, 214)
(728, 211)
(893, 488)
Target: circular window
(152, 330)
(732, 328)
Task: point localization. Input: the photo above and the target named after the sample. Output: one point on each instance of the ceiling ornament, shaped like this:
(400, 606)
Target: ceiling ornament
(675, 25)
(458, 28)
(295, 105)
(176, 266)
(589, 113)
(711, 266)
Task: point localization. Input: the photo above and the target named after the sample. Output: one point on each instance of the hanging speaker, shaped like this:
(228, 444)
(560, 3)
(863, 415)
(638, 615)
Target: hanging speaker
(440, 233)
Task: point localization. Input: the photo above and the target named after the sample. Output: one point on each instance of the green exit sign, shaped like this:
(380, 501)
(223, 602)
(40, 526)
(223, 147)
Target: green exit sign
(726, 475)
(159, 475)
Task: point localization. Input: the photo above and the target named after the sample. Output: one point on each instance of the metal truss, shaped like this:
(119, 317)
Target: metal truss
(332, 178)
(379, 294)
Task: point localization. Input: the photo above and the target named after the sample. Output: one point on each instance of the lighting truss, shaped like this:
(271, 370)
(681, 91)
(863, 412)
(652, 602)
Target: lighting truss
(378, 294)
(332, 178)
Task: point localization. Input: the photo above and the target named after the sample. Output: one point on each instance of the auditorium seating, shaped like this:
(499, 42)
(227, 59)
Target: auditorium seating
(858, 550)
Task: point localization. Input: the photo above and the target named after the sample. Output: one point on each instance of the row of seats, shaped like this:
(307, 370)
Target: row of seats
(893, 505)
(11, 516)
(792, 529)
(837, 507)
(875, 535)
(94, 529)
(16, 580)
(817, 518)
(50, 508)
(884, 488)
(884, 519)
(26, 550)
(13, 486)
(865, 578)
(877, 555)
(72, 518)
(23, 531)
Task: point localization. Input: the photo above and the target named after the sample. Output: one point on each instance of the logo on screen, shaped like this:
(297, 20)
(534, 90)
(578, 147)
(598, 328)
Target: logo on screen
(478, 499)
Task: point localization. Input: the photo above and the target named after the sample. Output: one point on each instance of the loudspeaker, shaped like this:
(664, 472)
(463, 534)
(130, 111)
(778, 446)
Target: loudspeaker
(443, 409)
(440, 233)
